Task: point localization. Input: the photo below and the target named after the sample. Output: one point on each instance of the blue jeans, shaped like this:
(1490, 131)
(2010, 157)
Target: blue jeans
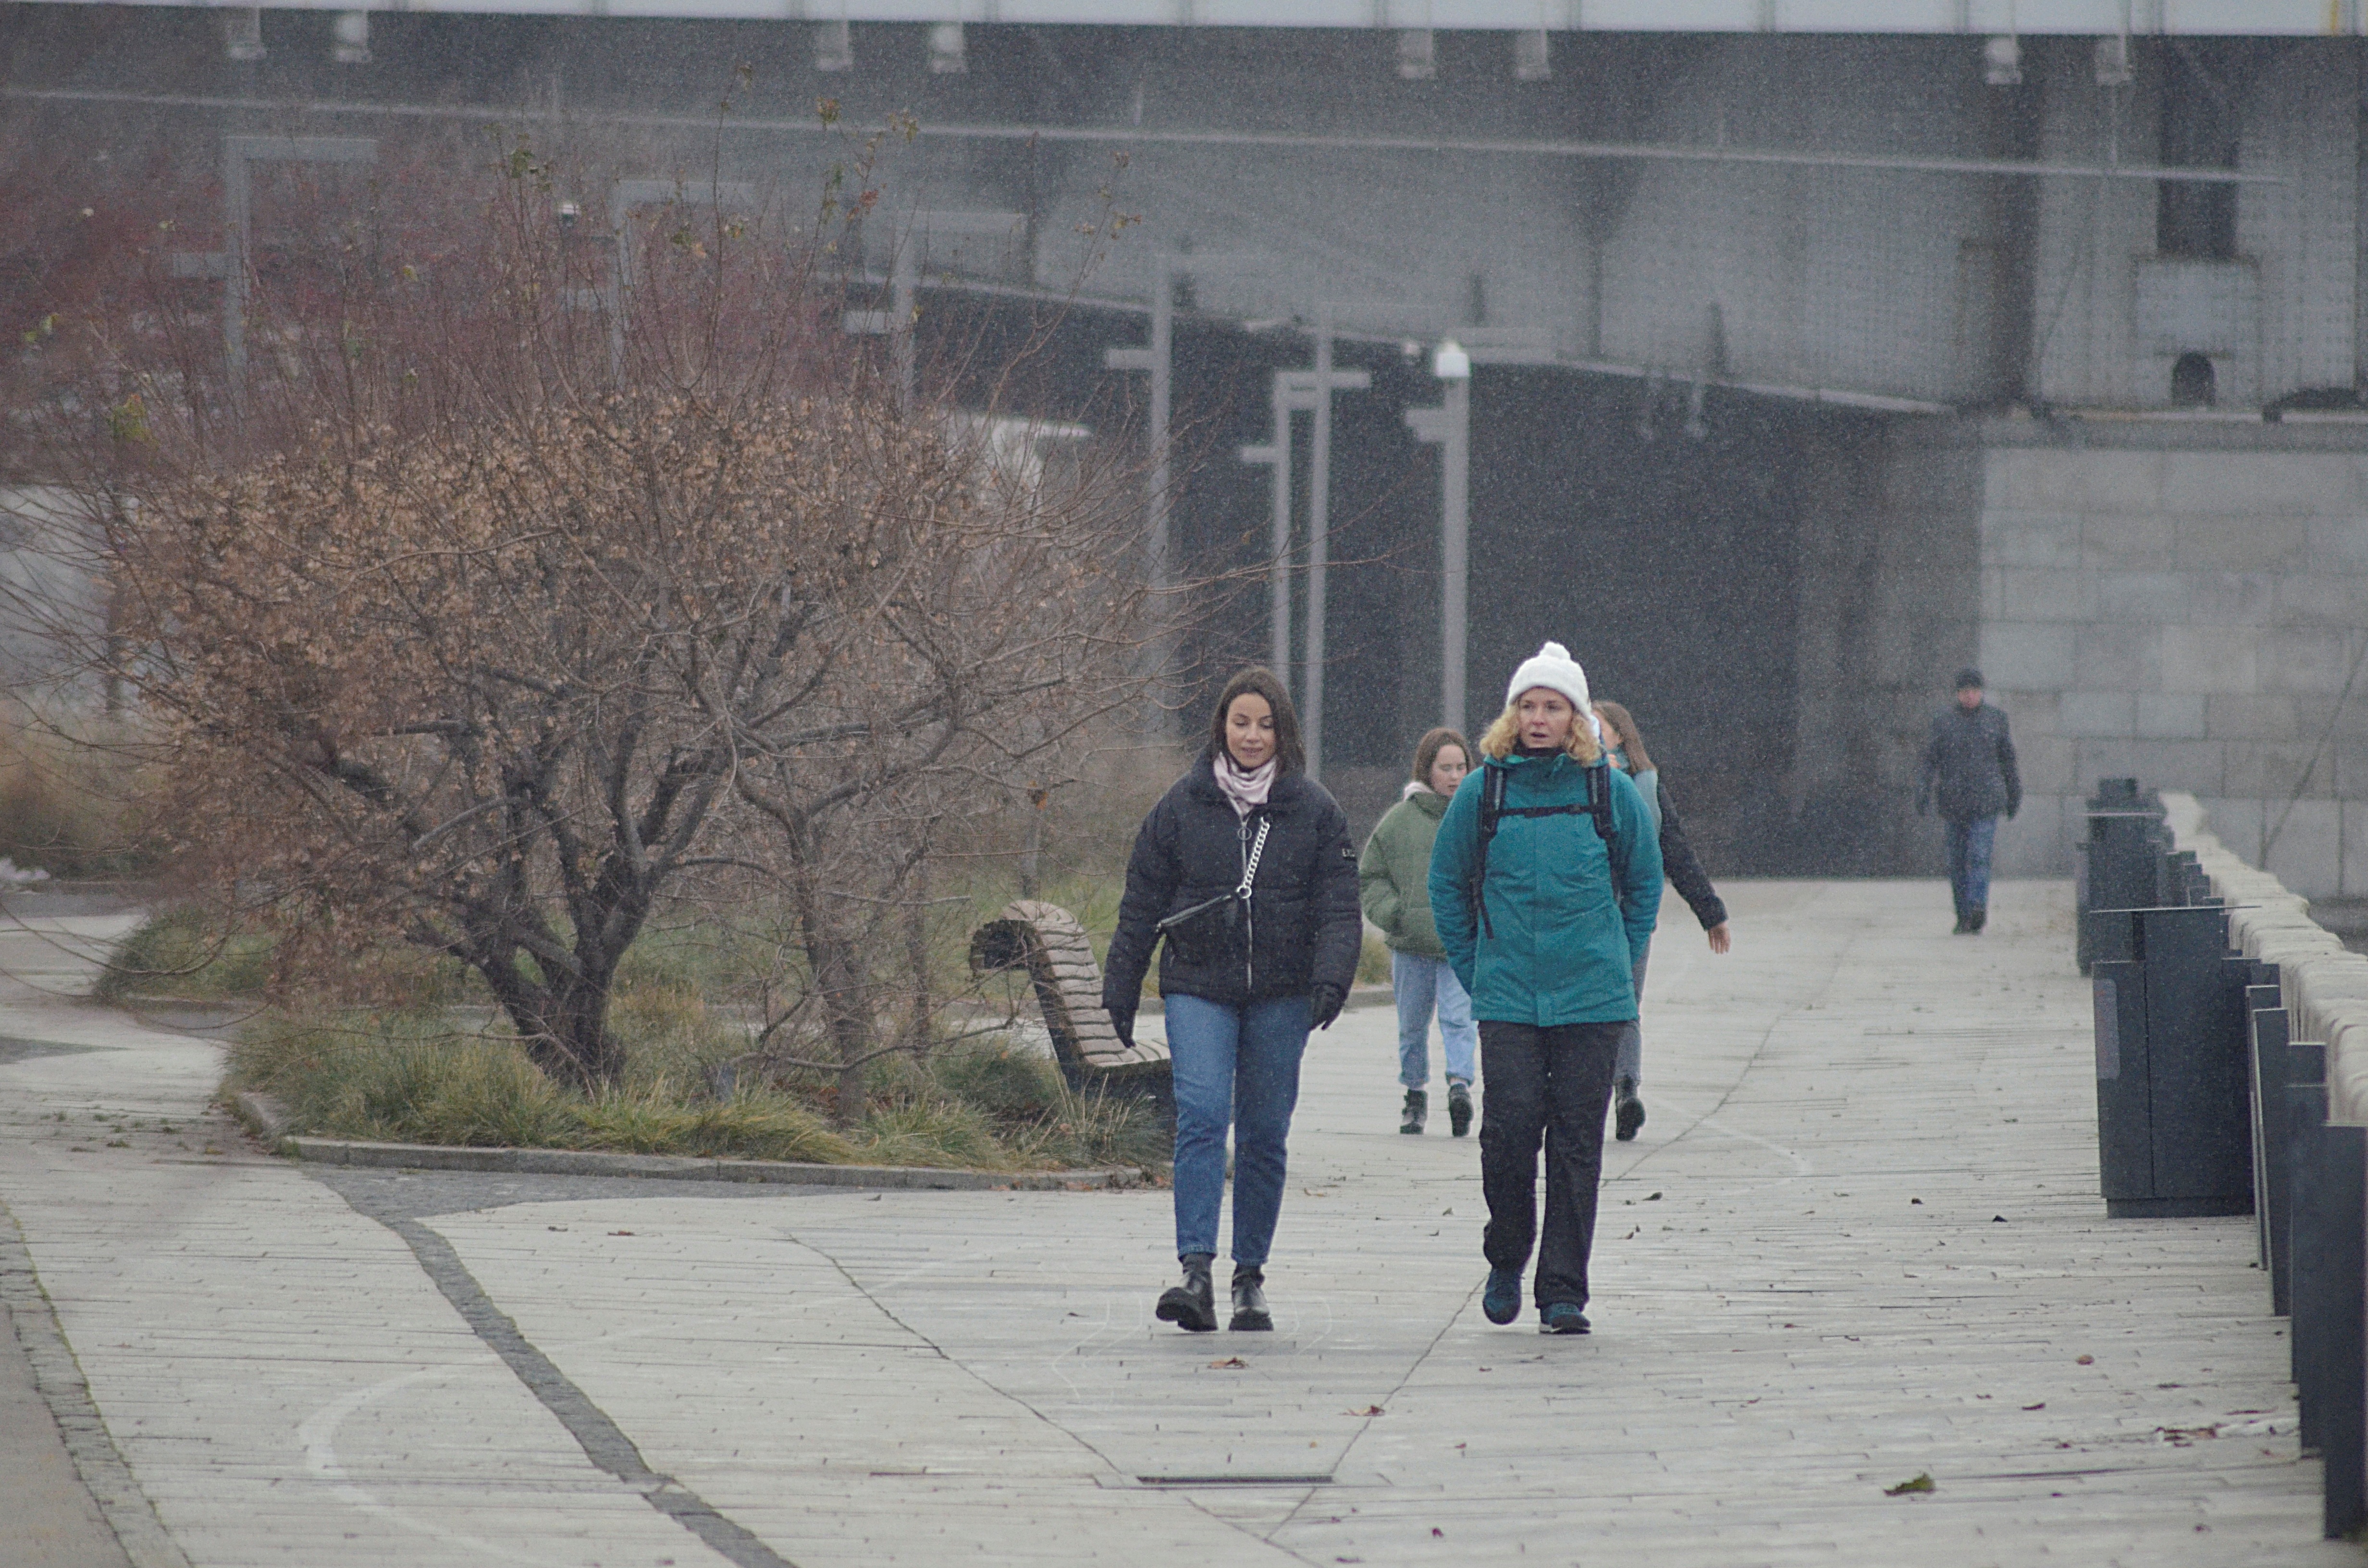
(1237, 1064)
(1970, 844)
(1423, 984)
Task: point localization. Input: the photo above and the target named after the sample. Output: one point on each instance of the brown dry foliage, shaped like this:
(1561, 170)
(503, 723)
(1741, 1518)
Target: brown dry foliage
(456, 632)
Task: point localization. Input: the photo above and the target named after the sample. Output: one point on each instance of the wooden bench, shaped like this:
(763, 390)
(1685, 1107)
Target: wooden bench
(1046, 940)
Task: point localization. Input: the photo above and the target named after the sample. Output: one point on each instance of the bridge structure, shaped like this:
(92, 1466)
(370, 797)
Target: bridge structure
(1817, 349)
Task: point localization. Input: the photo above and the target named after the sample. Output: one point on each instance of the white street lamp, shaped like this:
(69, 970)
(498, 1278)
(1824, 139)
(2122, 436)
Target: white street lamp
(1448, 426)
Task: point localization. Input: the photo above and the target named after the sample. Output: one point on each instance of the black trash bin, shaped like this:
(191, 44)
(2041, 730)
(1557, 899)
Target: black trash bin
(2174, 1115)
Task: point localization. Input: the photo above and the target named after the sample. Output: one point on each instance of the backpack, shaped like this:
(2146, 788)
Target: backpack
(1494, 809)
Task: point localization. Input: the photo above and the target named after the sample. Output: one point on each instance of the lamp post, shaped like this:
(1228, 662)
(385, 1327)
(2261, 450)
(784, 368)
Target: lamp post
(627, 196)
(1449, 427)
(896, 323)
(1295, 391)
(1157, 359)
(233, 264)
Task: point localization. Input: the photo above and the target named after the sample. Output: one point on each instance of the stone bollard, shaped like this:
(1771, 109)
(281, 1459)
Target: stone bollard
(2174, 1135)
(2272, 1163)
(2330, 1281)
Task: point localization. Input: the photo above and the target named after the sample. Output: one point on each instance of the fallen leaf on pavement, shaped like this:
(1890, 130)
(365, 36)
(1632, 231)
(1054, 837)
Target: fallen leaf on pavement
(1918, 1484)
(1231, 1363)
(2040, 1405)
(1368, 1410)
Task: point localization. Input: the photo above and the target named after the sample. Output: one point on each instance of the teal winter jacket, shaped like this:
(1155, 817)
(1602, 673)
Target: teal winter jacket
(1560, 946)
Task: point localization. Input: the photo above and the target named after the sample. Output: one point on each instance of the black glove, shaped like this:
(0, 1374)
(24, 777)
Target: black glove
(1324, 1003)
(1123, 1023)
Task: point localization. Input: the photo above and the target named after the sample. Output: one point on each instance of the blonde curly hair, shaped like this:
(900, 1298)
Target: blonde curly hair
(1504, 734)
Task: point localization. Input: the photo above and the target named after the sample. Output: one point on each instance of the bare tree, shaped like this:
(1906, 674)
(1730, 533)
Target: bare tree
(457, 623)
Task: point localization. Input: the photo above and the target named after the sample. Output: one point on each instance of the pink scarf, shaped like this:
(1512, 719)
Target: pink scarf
(1246, 791)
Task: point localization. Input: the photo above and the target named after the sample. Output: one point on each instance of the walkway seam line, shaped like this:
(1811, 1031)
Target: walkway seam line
(982, 1381)
(602, 1440)
(57, 1373)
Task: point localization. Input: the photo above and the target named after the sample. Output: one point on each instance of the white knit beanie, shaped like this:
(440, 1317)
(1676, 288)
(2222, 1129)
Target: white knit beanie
(1552, 667)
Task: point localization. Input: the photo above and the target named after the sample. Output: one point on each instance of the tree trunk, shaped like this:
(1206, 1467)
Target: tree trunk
(564, 1026)
(921, 1022)
(847, 1012)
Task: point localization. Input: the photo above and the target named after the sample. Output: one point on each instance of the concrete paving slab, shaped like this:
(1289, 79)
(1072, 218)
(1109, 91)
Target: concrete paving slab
(1859, 1240)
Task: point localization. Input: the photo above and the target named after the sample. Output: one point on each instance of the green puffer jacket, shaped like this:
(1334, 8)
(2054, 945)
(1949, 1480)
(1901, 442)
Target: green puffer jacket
(1393, 874)
(1564, 947)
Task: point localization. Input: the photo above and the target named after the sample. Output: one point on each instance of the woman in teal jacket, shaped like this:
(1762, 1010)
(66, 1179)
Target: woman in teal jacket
(1545, 882)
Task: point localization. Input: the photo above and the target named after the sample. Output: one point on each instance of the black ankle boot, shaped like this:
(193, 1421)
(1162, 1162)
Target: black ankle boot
(1976, 920)
(1631, 1111)
(1251, 1315)
(1458, 1106)
(1417, 1106)
(1193, 1304)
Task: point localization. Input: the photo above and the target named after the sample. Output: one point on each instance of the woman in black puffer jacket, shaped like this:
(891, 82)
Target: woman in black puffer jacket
(1245, 869)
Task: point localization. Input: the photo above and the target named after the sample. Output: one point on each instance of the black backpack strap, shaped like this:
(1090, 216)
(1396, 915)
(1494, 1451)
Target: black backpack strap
(1598, 806)
(1492, 811)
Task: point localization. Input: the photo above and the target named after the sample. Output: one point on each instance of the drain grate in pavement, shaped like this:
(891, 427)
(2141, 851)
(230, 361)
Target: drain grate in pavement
(1234, 1479)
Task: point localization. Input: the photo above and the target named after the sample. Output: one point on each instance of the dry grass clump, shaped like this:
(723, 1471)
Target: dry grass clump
(185, 954)
(68, 806)
(412, 1078)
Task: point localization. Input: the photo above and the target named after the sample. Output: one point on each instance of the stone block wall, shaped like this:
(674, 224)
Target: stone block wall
(2184, 602)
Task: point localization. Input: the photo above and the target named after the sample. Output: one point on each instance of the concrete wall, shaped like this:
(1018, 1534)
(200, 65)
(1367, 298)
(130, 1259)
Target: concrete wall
(2184, 603)
(1889, 609)
(2292, 287)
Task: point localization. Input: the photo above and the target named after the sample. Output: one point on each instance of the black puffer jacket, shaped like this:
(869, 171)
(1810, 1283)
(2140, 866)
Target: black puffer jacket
(1304, 924)
(1684, 868)
(1969, 764)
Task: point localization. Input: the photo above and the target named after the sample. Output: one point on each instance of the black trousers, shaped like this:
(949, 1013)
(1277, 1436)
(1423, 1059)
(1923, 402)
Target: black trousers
(1551, 1084)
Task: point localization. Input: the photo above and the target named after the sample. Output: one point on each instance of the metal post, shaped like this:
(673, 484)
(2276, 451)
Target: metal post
(1276, 454)
(629, 194)
(1454, 549)
(899, 322)
(1319, 544)
(1449, 427)
(903, 289)
(1163, 376)
(230, 263)
(238, 203)
(1157, 359)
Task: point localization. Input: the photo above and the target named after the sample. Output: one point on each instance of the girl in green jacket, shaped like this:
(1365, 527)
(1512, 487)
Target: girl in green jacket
(1545, 882)
(1394, 882)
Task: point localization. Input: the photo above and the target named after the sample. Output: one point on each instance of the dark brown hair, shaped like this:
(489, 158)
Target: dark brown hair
(1426, 751)
(1630, 740)
(1260, 681)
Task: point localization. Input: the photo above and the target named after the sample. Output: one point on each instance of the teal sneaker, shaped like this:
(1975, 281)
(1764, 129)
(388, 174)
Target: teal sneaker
(1562, 1317)
(1502, 1300)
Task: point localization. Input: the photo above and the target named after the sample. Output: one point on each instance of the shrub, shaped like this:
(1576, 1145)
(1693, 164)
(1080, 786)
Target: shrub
(184, 952)
(410, 1078)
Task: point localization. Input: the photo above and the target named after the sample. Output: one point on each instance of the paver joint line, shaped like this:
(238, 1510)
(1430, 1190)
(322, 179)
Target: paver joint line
(604, 1443)
(59, 1377)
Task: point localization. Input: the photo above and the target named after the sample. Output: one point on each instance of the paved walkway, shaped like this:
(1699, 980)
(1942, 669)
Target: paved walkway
(1859, 1240)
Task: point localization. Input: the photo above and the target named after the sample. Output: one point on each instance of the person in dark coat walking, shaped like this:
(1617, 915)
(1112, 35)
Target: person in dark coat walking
(1969, 770)
(1623, 744)
(1244, 875)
